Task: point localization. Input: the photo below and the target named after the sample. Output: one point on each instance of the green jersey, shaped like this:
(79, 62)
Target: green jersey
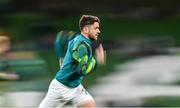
(78, 62)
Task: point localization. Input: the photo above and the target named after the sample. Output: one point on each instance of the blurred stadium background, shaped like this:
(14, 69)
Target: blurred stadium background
(141, 38)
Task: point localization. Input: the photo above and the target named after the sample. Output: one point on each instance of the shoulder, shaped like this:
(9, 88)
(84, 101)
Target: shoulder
(76, 39)
(79, 45)
(79, 41)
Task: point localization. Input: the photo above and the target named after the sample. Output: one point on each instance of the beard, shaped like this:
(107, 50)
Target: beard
(92, 39)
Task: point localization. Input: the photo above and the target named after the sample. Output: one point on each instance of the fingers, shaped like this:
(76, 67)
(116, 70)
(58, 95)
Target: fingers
(101, 54)
(100, 48)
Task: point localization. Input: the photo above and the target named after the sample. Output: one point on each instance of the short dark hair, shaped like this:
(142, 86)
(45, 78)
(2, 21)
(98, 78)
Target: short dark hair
(87, 20)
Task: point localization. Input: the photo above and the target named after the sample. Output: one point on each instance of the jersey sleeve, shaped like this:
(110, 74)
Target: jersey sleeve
(84, 64)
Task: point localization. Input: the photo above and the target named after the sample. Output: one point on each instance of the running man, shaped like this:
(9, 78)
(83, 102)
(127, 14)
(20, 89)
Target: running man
(79, 61)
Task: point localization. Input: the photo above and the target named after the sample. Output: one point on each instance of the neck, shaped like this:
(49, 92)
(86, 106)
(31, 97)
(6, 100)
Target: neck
(85, 35)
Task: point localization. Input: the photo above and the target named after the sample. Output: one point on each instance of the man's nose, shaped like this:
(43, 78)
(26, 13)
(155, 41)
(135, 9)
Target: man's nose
(99, 31)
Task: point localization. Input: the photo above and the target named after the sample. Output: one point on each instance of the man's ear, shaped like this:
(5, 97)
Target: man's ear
(86, 29)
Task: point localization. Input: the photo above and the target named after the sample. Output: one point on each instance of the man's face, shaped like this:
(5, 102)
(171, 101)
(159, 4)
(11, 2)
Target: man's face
(94, 31)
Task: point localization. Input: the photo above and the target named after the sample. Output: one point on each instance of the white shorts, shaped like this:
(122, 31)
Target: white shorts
(60, 95)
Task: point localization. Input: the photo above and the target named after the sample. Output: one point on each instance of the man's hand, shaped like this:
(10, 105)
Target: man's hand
(101, 54)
